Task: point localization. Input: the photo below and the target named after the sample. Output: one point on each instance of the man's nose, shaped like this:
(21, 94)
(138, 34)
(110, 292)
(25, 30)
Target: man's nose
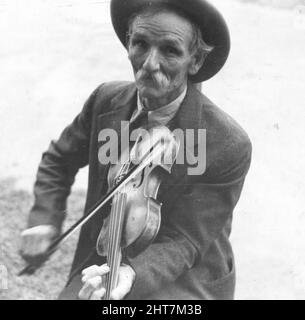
(152, 61)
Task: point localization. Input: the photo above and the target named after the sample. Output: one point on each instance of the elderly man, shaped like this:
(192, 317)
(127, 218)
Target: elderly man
(171, 44)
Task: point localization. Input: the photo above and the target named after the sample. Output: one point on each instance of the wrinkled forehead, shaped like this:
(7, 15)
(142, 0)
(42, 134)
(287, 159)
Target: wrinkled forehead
(164, 13)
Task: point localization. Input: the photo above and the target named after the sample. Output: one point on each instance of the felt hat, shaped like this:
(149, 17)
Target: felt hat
(213, 27)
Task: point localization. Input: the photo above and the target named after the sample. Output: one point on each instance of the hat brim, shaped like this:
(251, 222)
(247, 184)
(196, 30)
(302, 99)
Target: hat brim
(213, 27)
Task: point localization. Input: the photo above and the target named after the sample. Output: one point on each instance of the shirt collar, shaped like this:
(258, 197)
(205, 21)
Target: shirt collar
(164, 114)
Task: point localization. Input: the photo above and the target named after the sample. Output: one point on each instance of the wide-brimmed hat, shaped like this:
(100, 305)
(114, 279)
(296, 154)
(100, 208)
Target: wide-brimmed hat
(213, 27)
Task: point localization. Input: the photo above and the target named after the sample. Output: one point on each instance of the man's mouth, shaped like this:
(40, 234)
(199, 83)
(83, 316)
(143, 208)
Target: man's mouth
(150, 80)
(153, 80)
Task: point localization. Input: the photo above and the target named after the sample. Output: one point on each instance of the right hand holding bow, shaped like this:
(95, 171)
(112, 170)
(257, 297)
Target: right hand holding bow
(35, 242)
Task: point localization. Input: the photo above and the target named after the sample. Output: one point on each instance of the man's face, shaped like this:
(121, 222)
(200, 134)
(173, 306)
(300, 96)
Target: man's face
(160, 56)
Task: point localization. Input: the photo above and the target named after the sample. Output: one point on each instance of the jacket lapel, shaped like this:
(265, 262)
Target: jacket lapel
(189, 118)
(189, 115)
(121, 108)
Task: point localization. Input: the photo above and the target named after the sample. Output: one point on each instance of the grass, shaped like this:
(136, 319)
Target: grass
(47, 282)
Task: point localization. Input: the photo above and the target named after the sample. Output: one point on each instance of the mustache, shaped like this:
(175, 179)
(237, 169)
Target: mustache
(157, 77)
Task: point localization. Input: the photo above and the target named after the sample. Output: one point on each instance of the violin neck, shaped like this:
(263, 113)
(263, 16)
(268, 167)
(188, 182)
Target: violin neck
(113, 275)
(114, 256)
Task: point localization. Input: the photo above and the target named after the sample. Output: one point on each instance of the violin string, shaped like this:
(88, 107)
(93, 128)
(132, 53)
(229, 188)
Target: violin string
(112, 253)
(117, 247)
(113, 232)
(114, 241)
(111, 241)
(111, 258)
(110, 244)
(117, 239)
(109, 247)
(116, 231)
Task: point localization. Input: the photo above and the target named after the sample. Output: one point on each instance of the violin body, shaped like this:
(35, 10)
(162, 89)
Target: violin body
(142, 214)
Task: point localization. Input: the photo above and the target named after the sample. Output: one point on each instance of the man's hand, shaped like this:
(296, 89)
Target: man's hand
(94, 282)
(35, 241)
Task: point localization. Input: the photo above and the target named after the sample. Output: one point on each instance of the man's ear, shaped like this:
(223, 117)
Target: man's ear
(196, 62)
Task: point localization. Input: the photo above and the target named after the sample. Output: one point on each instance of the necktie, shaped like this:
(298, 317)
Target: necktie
(141, 120)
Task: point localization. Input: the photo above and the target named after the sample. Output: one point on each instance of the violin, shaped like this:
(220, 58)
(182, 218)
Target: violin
(135, 215)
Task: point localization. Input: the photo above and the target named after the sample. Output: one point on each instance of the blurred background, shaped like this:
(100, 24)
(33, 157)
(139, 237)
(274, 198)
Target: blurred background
(53, 54)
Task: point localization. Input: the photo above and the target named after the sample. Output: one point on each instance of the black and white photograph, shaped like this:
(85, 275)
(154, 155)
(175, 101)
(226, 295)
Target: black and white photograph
(152, 150)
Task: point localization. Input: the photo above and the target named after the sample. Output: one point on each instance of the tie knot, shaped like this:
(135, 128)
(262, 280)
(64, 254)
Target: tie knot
(140, 120)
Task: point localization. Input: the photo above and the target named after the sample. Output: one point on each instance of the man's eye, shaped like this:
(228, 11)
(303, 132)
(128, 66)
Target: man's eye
(139, 43)
(171, 51)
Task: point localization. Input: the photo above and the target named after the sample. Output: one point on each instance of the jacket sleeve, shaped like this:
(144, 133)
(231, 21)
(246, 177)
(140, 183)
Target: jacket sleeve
(58, 167)
(195, 219)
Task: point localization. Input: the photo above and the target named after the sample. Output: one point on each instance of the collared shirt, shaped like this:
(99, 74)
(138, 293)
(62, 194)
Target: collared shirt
(162, 115)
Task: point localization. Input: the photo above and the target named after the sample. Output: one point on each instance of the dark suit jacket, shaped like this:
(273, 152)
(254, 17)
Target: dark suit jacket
(191, 258)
